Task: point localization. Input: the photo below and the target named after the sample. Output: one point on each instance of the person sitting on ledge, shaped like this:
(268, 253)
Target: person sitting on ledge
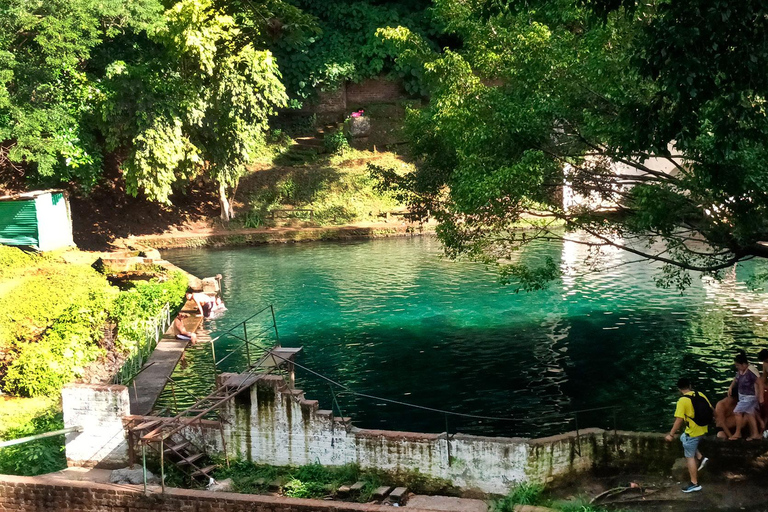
(203, 301)
(181, 332)
(689, 407)
(725, 420)
(750, 387)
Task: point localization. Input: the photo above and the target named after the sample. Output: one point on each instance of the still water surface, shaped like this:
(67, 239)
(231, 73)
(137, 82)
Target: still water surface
(392, 318)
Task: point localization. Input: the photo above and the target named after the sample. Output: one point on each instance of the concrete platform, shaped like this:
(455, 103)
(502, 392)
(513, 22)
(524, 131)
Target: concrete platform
(447, 504)
(150, 383)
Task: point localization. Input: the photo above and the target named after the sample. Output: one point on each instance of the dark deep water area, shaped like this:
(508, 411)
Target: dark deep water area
(394, 319)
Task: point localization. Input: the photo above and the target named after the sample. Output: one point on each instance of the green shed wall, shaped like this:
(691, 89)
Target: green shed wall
(43, 222)
(18, 223)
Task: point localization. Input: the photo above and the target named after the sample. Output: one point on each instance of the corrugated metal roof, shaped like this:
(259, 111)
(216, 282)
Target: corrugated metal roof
(18, 223)
(31, 194)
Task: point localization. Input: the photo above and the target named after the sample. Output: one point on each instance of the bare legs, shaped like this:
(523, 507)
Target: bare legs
(741, 419)
(693, 468)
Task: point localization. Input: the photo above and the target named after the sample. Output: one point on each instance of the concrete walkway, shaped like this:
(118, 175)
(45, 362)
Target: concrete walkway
(147, 386)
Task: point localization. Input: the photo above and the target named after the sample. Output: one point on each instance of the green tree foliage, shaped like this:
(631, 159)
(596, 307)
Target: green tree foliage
(656, 112)
(46, 95)
(209, 93)
(340, 42)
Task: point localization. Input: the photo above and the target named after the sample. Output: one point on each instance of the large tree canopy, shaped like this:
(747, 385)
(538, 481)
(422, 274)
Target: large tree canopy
(174, 92)
(204, 99)
(655, 112)
(46, 96)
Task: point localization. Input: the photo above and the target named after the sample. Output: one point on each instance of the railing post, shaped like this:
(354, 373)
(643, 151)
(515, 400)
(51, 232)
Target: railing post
(173, 393)
(213, 354)
(144, 464)
(162, 465)
(274, 324)
(247, 348)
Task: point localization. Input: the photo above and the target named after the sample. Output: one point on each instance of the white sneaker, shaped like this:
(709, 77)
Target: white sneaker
(703, 463)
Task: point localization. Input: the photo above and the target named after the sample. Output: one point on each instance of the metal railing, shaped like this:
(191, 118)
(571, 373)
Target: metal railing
(21, 440)
(248, 345)
(153, 330)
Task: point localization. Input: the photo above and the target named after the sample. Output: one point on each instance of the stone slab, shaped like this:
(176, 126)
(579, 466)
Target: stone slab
(447, 504)
(381, 492)
(399, 495)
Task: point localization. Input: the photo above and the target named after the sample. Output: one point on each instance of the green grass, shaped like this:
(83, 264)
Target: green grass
(535, 494)
(317, 481)
(522, 494)
(338, 188)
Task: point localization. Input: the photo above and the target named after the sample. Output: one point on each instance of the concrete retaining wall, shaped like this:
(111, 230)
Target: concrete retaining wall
(272, 424)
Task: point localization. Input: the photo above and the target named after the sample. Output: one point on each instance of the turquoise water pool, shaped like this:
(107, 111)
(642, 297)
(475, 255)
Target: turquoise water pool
(392, 318)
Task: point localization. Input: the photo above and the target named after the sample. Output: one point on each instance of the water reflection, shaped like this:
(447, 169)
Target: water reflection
(394, 319)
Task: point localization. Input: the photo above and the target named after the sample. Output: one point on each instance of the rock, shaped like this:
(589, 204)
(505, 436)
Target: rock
(210, 285)
(680, 465)
(357, 487)
(151, 254)
(359, 126)
(223, 486)
(132, 475)
(343, 490)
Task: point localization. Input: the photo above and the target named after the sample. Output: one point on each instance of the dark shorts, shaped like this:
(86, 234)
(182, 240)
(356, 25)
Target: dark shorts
(183, 337)
(207, 308)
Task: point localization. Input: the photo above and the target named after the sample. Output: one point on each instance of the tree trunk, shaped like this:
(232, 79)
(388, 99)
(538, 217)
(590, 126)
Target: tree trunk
(226, 209)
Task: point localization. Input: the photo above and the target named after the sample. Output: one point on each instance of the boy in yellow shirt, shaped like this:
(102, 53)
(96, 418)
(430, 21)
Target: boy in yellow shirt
(684, 413)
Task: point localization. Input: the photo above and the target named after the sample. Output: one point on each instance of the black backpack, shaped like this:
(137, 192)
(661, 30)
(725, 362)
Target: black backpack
(703, 414)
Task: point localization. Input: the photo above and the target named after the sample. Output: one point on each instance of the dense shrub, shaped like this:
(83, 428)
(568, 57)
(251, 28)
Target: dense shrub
(54, 314)
(336, 142)
(61, 354)
(39, 298)
(144, 301)
(13, 259)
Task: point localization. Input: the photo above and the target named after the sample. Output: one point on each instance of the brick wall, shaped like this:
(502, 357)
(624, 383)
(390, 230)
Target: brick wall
(328, 101)
(43, 494)
(374, 90)
(354, 95)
